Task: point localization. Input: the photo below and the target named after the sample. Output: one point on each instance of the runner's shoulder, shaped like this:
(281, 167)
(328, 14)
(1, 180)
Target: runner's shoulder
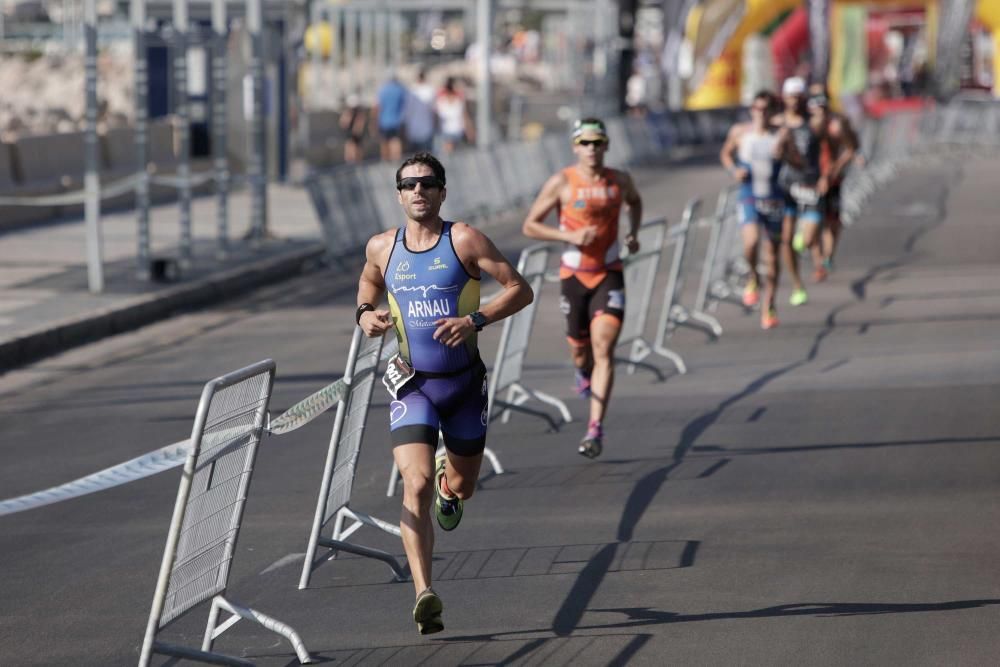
(380, 244)
(467, 236)
(739, 129)
(620, 177)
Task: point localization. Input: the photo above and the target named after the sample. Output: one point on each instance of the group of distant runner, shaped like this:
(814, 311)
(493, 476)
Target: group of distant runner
(790, 160)
(789, 164)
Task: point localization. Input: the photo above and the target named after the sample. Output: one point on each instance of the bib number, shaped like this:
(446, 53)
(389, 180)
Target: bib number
(397, 373)
(804, 195)
(769, 208)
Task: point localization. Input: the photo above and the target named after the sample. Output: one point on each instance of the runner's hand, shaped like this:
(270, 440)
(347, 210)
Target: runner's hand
(583, 236)
(822, 185)
(632, 243)
(375, 322)
(740, 174)
(451, 331)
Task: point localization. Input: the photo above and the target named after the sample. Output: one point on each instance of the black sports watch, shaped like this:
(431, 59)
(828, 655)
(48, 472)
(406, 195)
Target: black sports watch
(362, 309)
(478, 320)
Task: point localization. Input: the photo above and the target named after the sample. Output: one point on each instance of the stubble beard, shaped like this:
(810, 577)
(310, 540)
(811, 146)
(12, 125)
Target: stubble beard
(429, 213)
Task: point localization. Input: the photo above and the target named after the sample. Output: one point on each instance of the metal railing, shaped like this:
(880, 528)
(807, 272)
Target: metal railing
(208, 514)
(513, 348)
(641, 270)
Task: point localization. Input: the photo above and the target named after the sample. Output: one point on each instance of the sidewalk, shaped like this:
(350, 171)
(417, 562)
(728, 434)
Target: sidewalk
(45, 306)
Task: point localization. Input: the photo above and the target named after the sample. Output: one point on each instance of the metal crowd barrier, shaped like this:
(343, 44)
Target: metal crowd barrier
(354, 201)
(208, 513)
(341, 463)
(513, 348)
(673, 313)
(724, 266)
(960, 128)
(641, 270)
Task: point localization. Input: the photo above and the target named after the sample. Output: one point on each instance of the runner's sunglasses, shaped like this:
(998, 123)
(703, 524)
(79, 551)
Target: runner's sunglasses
(591, 142)
(410, 182)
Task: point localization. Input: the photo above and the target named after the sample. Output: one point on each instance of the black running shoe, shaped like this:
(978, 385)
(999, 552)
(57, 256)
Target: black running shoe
(427, 612)
(592, 444)
(447, 510)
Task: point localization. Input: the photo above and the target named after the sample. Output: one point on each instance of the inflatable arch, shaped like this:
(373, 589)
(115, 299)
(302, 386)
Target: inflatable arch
(720, 86)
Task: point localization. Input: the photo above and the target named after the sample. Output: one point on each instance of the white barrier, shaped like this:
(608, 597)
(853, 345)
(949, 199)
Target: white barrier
(641, 270)
(208, 514)
(337, 483)
(513, 348)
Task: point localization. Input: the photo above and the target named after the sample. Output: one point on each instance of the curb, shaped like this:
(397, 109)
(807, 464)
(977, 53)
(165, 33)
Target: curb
(134, 313)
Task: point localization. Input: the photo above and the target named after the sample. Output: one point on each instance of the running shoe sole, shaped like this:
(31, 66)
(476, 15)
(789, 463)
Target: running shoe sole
(590, 447)
(446, 521)
(427, 613)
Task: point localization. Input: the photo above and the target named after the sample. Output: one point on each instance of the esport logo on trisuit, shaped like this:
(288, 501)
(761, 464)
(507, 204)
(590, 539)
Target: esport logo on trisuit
(401, 271)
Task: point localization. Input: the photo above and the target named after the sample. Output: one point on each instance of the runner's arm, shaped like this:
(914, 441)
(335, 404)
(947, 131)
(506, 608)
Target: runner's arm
(534, 226)
(515, 295)
(849, 141)
(729, 148)
(371, 288)
(786, 150)
(634, 202)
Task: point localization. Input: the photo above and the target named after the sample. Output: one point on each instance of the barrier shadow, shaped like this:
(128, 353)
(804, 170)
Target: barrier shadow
(606, 471)
(645, 616)
(794, 449)
(608, 649)
(548, 560)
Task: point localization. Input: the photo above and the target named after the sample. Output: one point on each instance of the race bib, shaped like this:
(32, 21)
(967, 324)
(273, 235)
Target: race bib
(770, 208)
(804, 195)
(397, 373)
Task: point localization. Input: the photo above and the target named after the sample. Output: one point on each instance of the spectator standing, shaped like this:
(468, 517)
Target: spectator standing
(418, 115)
(454, 121)
(387, 116)
(353, 121)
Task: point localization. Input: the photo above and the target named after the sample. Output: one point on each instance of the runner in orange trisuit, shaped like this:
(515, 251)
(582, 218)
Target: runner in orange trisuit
(588, 197)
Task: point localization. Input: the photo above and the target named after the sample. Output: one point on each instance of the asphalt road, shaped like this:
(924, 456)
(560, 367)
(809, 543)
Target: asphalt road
(822, 494)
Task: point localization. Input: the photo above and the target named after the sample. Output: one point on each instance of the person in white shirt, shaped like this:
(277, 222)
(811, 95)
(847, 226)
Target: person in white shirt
(419, 115)
(454, 122)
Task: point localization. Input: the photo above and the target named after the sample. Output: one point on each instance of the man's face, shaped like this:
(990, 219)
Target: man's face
(421, 194)
(760, 112)
(590, 149)
(793, 102)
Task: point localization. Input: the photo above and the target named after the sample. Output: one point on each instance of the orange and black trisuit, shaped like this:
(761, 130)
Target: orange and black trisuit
(592, 281)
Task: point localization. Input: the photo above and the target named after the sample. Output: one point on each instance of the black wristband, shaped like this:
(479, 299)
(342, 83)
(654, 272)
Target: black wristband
(362, 309)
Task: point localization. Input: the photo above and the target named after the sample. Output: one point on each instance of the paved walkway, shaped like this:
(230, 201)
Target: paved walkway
(45, 305)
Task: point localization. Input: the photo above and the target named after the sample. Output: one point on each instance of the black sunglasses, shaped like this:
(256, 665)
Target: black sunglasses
(591, 142)
(410, 182)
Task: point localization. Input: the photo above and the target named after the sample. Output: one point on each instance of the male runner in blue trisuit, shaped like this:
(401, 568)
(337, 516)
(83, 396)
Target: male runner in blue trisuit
(430, 270)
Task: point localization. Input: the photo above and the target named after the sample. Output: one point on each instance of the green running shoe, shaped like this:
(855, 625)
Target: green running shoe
(798, 297)
(799, 243)
(447, 510)
(427, 613)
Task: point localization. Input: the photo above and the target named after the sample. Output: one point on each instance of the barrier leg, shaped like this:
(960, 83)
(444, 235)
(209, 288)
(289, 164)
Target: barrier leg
(517, 407)
(213, 620)
(713, 324)
(271, 624)
(672, 356)
(494, 461)
(638, 351)
(393, 481)
(515, 398)
(551, 400)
